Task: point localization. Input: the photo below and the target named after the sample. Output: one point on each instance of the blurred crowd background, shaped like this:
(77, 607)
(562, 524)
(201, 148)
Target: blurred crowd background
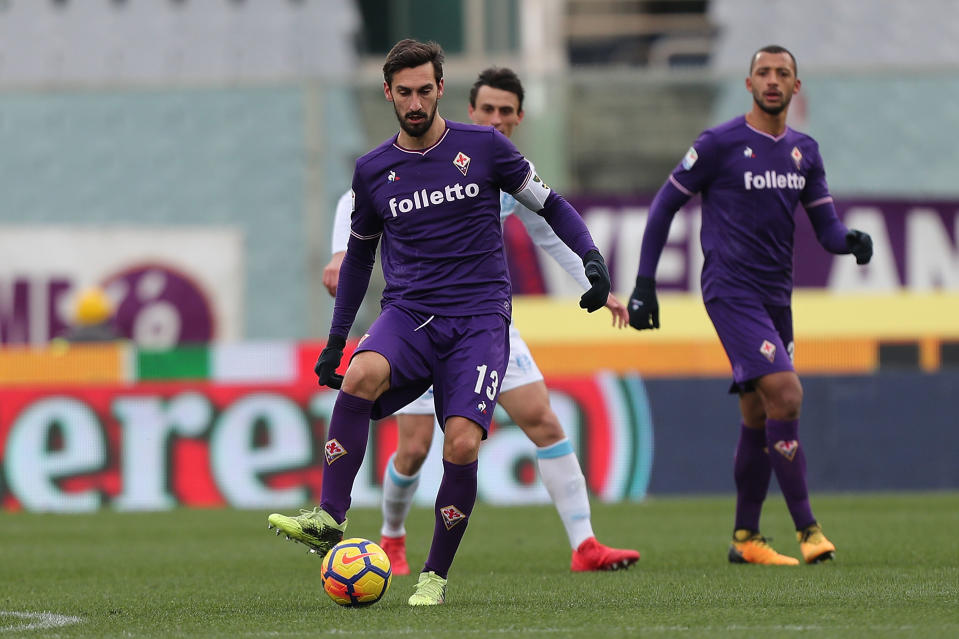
(211, 138)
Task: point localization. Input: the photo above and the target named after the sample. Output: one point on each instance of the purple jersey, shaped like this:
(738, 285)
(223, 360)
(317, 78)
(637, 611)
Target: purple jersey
(751, 183)
(438, 211)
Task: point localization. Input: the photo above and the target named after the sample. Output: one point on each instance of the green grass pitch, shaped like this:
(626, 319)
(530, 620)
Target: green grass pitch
(220, 573)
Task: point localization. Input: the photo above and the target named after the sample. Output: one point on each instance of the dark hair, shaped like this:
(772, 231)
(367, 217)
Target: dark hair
(410, 53)
(773, 48)
(498, 78)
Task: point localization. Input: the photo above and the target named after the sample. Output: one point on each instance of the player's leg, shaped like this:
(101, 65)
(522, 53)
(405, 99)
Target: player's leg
(365, 380)
(402, 477)
(454, 505)
(783, 404)
(528, 406)
(751, 466)
(752, 471)
(781, 394)
(754, 347)
(402, 474)
(782, 398)
(471, 357)
(387, 371)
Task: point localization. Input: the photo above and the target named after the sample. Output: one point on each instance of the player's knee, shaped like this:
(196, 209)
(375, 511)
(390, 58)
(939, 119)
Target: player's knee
(365, 380)
(786, 404)
(461, 445)
(409, 462)
(460, 451)
(360, 387)
(542, 426)
(410, 456)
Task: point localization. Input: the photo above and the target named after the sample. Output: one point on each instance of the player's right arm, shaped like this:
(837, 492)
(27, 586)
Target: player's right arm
(690, 176)
(338, 241)
(355, 272)
(365, 230)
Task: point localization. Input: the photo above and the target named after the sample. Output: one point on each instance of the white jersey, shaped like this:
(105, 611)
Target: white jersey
(341, 223)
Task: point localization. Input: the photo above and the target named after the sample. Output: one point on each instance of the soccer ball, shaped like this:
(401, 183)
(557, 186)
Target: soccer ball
(356, 572)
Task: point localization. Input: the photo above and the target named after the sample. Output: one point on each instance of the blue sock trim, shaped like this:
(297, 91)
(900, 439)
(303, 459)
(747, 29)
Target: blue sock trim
(400, 480)
(559, 449)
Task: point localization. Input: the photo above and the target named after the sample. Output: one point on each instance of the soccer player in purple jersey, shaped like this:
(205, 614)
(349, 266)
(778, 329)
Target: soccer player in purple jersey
(496, 100)
(432, 192)
(752, 172)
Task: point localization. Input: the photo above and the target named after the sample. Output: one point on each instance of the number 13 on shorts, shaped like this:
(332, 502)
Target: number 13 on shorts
(490, 382)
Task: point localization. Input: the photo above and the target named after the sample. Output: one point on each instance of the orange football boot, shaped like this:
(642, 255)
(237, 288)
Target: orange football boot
(749, 547)
(814, 546)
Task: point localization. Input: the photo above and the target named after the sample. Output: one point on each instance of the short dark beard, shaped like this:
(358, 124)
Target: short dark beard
(771, 110)
(416, 130)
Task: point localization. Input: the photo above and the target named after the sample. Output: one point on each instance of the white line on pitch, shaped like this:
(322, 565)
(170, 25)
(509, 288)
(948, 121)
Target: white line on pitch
(36, 620)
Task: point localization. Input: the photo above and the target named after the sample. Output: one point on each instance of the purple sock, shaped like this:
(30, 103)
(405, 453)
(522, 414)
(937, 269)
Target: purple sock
(752, 470)
(454, 503)
(789, 464)
(344, 451)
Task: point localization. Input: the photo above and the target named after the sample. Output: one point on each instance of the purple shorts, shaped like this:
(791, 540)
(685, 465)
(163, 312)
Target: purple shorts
(463, 358)
(758, 338)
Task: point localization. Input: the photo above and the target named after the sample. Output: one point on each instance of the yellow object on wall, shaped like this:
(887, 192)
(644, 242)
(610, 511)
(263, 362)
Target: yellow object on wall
(65, 363)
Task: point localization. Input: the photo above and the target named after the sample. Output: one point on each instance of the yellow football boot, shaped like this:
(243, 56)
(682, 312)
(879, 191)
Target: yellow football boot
(749, 547)
(314, 528)
(814, 546)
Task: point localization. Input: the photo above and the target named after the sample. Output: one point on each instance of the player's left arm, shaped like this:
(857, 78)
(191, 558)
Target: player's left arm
(566, 222)
(830, 231)
(544, 237)
(515, 175)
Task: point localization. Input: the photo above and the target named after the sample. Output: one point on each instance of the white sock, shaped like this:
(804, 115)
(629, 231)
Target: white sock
(559, 469)
(398, 490)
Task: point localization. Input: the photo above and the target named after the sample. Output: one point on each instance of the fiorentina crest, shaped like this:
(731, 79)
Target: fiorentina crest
(768, 349)
(451, 515)
(333, 451)
(796, 155)
(787, 449)
(462, 162)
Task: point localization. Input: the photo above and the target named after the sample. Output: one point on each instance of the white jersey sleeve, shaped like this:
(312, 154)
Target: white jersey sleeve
(341, 223)
(544, 237)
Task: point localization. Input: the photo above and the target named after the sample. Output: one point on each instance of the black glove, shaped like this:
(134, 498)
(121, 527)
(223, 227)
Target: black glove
(643, 306)
(329, 361)
(860, 245)
(598, 275)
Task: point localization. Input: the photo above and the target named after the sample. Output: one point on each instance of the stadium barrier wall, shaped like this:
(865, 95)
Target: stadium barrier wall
(243, 425)
(894, 430)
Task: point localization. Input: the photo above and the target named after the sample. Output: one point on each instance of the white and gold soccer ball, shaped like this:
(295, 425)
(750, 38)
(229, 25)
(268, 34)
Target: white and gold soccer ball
(356, 572)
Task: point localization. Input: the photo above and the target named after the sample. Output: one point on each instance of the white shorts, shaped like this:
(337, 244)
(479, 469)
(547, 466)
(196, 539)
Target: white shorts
(520, 371)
